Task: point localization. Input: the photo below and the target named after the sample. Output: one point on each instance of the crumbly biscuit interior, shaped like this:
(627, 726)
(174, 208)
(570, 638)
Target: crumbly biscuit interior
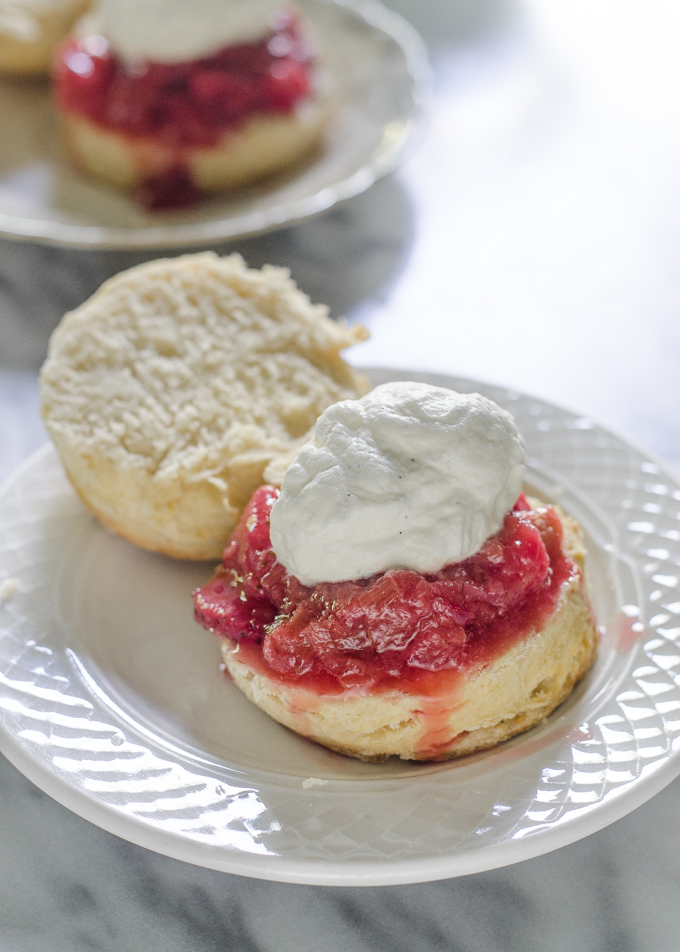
(183, 380)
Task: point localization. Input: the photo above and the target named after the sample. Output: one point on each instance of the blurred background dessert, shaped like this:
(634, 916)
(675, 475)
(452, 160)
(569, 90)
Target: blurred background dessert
(171, 101)
(31, 30)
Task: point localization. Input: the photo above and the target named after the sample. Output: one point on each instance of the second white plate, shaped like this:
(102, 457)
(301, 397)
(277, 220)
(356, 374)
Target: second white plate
(111, 698)
(378, 71)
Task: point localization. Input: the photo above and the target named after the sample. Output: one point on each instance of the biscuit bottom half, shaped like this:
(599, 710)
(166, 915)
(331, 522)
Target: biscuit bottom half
(262, 146)
(476, 709)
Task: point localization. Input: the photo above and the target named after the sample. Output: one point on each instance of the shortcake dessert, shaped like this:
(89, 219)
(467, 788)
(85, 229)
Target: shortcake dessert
(31, 30)
(399, 595)
(170, 99)
(181, 385)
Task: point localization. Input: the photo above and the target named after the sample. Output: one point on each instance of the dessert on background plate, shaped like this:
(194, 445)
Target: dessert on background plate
(170, 100)
(181, 385)
(31, 30)
(372, 72)
(399, 595)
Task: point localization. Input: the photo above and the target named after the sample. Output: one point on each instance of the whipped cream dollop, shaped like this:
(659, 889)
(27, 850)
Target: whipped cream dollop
(408, 477)
(169, 31)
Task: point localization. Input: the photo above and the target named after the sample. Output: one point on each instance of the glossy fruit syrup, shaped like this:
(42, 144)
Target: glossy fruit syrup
(398, 629)
(191, 104)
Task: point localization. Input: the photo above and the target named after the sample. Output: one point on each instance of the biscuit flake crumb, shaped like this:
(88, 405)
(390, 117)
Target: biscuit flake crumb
(313, 782)
(8, 588)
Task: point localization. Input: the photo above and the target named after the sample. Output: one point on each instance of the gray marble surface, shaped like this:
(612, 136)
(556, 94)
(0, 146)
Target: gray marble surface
(532, 241)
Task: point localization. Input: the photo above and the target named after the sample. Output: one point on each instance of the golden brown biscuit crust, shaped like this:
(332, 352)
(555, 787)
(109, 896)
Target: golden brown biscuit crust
(503, 698)
(264, 145)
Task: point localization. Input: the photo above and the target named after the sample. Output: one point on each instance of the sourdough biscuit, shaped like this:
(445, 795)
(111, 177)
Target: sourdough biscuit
(30, 31)
(171, 391)
(509, 695)
(263, 145)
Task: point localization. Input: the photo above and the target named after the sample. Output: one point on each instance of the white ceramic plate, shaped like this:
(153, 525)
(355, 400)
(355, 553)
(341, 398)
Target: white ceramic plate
(377, 68)
(112, 702)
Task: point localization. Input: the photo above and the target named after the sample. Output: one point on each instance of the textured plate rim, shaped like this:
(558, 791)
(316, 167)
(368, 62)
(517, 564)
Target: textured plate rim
(352, 872)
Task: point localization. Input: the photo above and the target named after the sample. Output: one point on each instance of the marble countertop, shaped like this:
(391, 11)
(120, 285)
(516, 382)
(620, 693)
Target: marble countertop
(532, 241)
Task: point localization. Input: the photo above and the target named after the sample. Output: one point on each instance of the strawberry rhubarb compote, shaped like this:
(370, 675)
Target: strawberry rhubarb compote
(398, 570)
(396, 628)
(169, 89)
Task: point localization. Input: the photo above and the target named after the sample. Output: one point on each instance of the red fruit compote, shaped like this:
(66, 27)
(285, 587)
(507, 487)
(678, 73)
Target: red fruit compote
(400, 630)
(187, 105)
